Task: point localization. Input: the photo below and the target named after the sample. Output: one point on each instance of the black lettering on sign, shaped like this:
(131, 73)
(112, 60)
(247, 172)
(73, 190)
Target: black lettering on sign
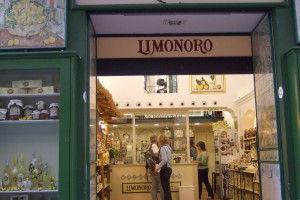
(150, 47)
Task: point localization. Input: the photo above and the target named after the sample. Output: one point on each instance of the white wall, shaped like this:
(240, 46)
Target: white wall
(130, 89)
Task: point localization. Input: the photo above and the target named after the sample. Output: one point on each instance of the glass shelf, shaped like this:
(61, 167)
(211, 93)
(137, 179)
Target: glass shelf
(28, 191)
(29, 95)
(46, 121)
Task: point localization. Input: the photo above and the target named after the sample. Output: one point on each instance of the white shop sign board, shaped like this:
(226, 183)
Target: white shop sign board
(128, 2)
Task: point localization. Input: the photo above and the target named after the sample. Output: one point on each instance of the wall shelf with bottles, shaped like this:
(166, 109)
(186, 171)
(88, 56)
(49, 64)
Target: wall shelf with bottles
(29, 191)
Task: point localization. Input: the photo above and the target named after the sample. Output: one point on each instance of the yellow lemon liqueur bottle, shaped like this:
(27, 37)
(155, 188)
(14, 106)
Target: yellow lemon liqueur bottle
(6, 175)
(21, 172)
(46, 178)
(14, 173)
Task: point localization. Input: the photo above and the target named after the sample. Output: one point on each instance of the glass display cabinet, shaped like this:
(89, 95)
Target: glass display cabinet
(35, 107)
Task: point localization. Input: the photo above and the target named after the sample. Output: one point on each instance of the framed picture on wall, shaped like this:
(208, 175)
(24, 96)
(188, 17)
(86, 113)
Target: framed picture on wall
(207, 83)
(297, 19)
(32, 24)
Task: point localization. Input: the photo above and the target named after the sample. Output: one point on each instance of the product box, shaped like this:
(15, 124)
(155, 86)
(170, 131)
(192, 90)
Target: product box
(27, 84)
(41, 90)
(12, 90)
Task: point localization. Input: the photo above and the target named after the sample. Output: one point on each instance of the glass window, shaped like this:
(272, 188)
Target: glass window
(160, 84)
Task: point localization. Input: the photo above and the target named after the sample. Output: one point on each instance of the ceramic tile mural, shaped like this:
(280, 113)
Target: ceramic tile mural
(32, 23)
(264, 84)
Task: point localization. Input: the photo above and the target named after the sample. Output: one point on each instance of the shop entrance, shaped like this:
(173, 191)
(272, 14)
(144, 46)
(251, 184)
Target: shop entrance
(259, 66)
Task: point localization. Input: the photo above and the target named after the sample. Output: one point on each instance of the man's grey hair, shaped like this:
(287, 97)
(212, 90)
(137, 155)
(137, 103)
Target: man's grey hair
(153, 138)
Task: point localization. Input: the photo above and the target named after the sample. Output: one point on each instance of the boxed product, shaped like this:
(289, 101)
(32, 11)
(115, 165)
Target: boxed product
(41, 90)
(4, 90)
(27, 84)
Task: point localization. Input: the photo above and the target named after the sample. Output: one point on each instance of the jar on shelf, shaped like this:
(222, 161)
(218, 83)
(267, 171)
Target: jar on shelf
(36, 115)
(27, 110)
(54, 111)
(15, 108)
(3, 114)
(40, 105)
(44, 114)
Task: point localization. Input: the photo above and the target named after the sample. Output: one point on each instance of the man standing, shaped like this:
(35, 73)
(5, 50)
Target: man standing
(155, 177)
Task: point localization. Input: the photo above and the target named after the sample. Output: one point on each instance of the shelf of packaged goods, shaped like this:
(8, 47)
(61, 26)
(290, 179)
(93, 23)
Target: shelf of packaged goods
(29, 191)
(45, 121)
(250, 138)
(12, 96)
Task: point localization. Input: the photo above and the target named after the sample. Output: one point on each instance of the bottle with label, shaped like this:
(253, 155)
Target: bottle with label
(15, 108)
(27, 182)
(35, 172)
(21, 173)
(14, 173)
(54, 111)
(6, 175)
(46, 177)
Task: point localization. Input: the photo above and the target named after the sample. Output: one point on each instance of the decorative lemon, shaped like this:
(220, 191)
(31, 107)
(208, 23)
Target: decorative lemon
(16, 42)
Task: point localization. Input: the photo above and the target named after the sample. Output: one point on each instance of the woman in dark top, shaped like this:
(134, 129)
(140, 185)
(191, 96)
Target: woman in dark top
(165, 165)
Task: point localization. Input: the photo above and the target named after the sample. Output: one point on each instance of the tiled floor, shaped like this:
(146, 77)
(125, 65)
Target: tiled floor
(204, 195)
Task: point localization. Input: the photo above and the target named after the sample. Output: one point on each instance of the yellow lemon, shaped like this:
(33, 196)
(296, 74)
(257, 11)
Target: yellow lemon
(52, 39)
(16, 42)
(10, 43)
(46, 41)
(199, 87)
(206, 87)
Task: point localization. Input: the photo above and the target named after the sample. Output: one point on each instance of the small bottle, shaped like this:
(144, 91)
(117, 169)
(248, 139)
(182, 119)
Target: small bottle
(46, 177)
(21, 173)
(40, 105)
(27, 182)
(36, 115)
(15, 108)
(6, 175)
(27, 111)
(14, 174)
(3, 114)
(54, 111)
(44, 114)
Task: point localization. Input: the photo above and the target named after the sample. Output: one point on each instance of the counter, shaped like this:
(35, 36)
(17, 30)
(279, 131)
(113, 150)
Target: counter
(129, 182)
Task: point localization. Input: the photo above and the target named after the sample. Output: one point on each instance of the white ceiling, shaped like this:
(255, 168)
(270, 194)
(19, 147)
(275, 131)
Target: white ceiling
(186, 23)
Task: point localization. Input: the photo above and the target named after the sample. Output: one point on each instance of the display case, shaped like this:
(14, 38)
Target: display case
(36, 107)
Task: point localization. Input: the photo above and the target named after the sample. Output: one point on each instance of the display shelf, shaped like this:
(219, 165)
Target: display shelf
(14, 122)
(29, 95)
(250, 138)
(28, 191)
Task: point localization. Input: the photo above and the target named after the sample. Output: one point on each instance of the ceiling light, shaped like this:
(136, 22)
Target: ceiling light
(155, 124)
(197, 123)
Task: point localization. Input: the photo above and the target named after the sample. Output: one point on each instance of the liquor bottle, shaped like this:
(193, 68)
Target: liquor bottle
(6, 175)
(35, 172)
(21, 173)
(46, 177)
(27, 182)
(14, 173)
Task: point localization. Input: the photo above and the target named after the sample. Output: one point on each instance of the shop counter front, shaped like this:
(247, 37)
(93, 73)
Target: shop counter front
(129, 182)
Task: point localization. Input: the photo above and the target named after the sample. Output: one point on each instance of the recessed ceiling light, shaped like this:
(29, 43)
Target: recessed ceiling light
(177, 124)
(155, 124)
(197, 123)
(115, 125)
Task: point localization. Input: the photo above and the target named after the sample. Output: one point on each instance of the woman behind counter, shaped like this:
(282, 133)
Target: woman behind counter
(165, 165)
(202, 160)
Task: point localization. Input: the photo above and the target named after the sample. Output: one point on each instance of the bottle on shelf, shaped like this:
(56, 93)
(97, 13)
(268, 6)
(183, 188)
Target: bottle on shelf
(35, 172)
(27, 182)
(21, 173)
(14, 173)
(46, 177)
(6, 175)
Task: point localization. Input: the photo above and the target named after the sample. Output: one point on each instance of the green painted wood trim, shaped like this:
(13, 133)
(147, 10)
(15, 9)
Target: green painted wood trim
(177, 6)
(284, 39)
(293, 63)
(51, 60)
